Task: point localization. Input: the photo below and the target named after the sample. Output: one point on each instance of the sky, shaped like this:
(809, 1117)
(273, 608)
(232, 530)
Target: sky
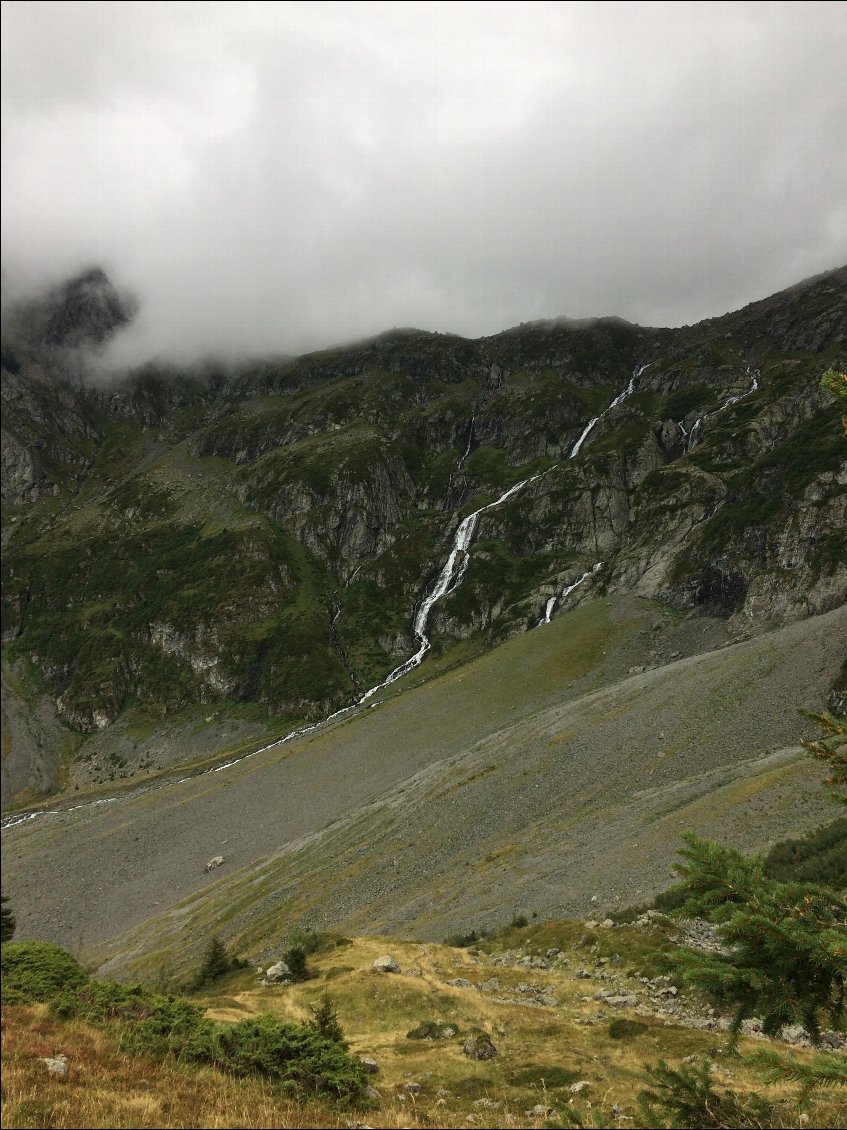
(280, 177)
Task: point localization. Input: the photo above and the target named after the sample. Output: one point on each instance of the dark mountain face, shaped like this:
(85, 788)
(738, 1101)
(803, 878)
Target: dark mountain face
(260, 541)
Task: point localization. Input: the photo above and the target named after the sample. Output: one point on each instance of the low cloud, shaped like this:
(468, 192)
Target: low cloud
(275, 178)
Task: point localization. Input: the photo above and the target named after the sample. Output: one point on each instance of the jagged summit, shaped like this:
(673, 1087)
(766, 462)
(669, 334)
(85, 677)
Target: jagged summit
(86, 310)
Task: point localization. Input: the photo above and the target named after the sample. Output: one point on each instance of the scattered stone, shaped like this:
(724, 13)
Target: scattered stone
(553, 952)
(492, 985)
(479, 1048)
(582, 975)
(795, 1034)
(639, 670)
(373, 1094)
(215, 861)
(540, 1111)
(57, 1065)
(621, 1000)
(607, 924)
(548, 999)
(486, 1104)
(460, 983)
(278, 974)
(386, 964)
(578, 1087)
(412, 1088)
(370, 1065)
(592, 923)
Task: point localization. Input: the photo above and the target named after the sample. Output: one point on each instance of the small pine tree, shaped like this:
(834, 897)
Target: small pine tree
(325, 1020)
(295, 958)
(7, 920)
(688, 1097)
(216, 962)
(786, 957)
(831, 747)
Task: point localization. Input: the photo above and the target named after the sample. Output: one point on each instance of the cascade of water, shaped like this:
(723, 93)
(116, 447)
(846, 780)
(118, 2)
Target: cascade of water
(695, 435)
(448, 580)
(566, 591)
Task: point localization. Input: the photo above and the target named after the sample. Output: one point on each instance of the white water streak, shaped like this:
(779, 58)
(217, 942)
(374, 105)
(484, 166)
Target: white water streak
(695, 435)
(566, 591)
(448, 580)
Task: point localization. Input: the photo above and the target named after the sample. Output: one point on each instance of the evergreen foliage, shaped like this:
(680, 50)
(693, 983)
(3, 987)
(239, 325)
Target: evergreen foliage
(831, 748)
(819, 857)
(7, 920)
(823, 1071)
(295, 958)
(216, 963)
(37, 971)
(688, 1097)
(325, 1020)
(786, 955)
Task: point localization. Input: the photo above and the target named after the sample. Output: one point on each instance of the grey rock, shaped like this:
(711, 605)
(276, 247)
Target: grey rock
(386, 964)
(460, 983)
(622, 1000)
(57, 1066)
(370, 1065)
(481, 1048)
(277, 974)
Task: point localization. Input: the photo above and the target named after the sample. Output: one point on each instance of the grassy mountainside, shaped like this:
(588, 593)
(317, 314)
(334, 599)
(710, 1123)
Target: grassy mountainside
(256, 541)
(565, 1005)
(542, 768)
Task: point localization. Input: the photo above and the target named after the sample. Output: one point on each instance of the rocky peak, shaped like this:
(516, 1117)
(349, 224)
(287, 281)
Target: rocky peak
(86, 310)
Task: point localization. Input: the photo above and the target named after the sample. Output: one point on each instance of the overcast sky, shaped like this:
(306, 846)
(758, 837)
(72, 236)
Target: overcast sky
(281, 177)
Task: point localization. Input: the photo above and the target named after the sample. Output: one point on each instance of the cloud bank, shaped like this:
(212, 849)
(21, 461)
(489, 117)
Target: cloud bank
(280, 177)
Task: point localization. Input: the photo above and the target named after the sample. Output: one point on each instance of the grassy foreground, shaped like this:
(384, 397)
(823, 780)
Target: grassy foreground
(550, 1031)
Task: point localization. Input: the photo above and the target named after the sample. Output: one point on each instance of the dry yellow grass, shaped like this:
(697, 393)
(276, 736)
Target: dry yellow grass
(542, 1050)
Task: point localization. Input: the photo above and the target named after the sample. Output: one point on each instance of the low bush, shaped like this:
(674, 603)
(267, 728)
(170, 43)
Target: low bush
(432, 1030)
(622, 1029)
(37, 971)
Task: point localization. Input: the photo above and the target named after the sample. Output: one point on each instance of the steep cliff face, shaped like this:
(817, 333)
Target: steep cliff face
(262, 538)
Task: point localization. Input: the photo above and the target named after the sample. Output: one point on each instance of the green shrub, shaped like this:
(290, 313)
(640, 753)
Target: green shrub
(174, 1027)
(216, 963)
(37, 971)
(7, 920)
(432, 1030)
(462, 941)
(295, 958)
(295, 1054)
(325, 1020)
(819, 857)
(622, 1029)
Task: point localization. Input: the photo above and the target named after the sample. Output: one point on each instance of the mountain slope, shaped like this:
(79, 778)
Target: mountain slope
(235, 551)
(535, 776)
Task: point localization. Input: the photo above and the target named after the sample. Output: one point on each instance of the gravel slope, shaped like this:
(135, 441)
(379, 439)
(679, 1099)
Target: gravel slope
(508, 783)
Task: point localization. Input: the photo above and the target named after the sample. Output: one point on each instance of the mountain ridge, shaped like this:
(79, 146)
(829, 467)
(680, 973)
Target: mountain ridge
(257, 540)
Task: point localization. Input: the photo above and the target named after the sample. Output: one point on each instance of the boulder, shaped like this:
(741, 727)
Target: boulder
(386, 964)
(480, 1047)
(57, 1065)
(278, 973)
